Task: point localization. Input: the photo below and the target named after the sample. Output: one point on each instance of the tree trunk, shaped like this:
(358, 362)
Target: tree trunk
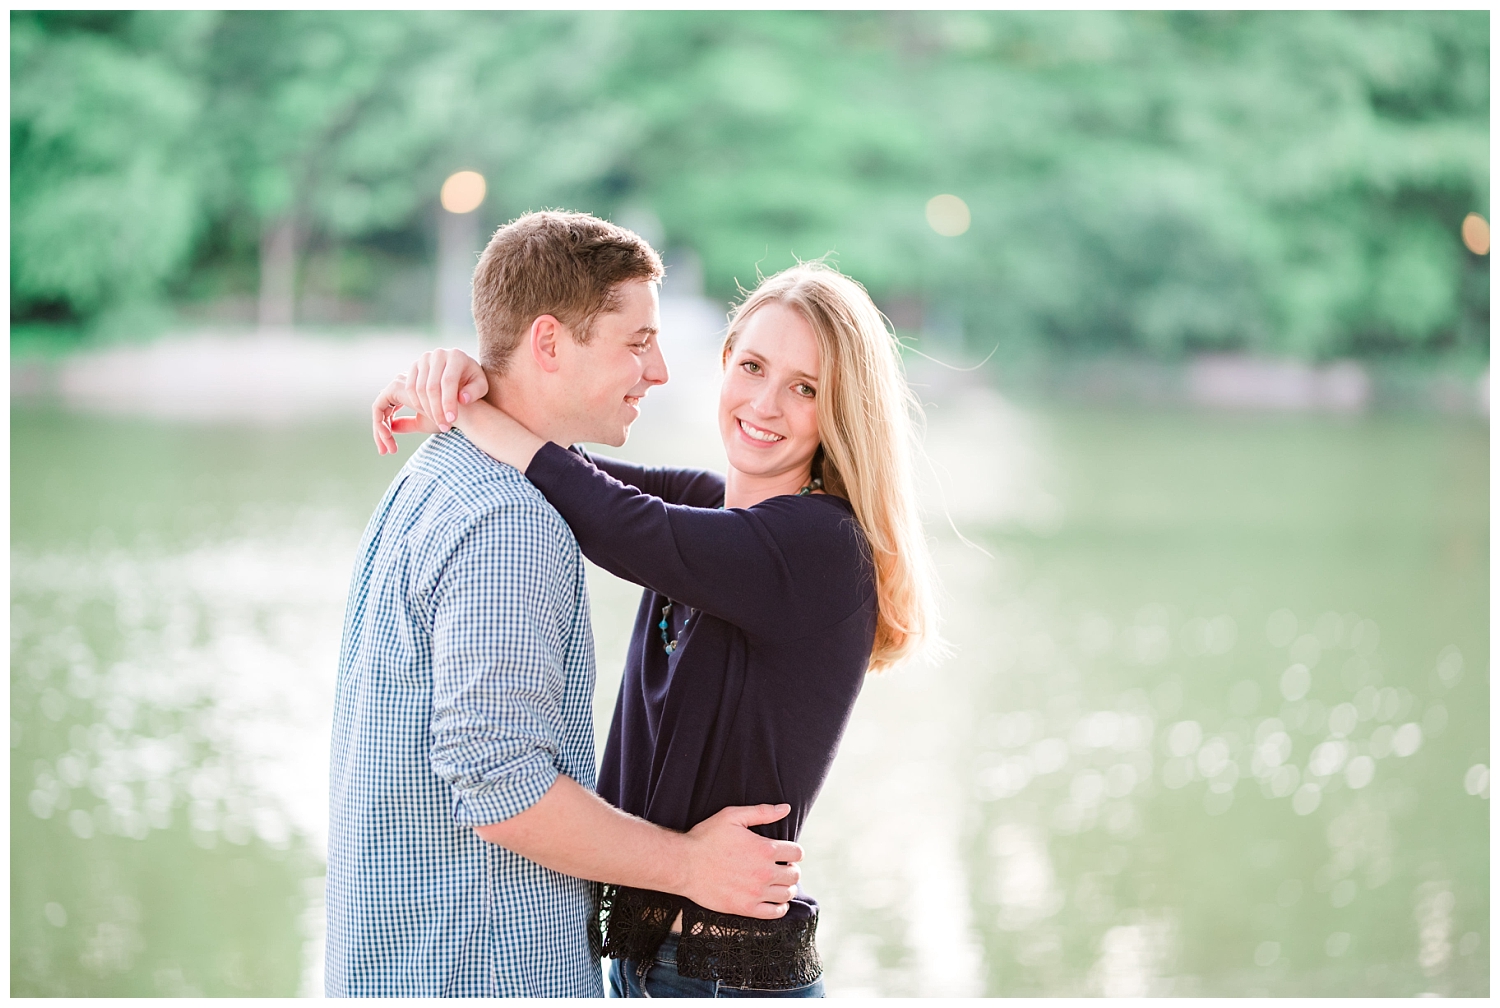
(459, 245)
(278, 274)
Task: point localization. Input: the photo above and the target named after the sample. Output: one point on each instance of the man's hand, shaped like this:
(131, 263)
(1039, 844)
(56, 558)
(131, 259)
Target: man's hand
(719, 864)
(730, 869)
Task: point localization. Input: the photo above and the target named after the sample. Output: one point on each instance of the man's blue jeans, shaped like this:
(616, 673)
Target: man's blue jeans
(659, 979)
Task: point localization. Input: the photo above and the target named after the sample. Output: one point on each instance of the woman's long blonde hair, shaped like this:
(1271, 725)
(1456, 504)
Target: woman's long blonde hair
(866, 427)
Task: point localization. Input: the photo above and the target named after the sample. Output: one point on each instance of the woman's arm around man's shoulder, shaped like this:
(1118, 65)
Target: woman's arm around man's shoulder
(702, 488)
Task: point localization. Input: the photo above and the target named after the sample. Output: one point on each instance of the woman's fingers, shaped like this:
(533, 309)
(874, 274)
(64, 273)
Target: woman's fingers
(421, 374)
(440, 381)
(449, 384)
(464, 382)
(397, 395)
(413, 425)
(381, 410)
(421, 371)
(433, 386)
(430, 386)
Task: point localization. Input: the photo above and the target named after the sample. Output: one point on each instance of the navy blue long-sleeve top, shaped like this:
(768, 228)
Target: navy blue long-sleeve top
(773, 609)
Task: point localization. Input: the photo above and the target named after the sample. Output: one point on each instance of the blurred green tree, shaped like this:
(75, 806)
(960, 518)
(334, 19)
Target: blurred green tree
(323, 123)
(1160, 182)
(105, 181)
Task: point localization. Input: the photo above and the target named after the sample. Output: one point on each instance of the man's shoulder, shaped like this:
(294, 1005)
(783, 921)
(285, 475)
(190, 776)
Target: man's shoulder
(463, 487)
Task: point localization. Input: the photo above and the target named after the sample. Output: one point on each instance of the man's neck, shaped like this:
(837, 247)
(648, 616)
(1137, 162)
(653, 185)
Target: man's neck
(526, 405)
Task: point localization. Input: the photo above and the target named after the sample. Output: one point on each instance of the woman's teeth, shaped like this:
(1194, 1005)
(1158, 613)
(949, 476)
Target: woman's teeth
(758, 434)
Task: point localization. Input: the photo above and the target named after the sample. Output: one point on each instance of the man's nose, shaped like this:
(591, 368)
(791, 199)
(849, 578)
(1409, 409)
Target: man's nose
(655, 372)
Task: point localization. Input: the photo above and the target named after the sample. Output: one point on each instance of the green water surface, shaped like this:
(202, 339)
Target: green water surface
(1219, 726)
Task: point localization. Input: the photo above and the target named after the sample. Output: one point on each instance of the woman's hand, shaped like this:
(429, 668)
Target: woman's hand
(439, 383)
(388, 425)
(440, 380)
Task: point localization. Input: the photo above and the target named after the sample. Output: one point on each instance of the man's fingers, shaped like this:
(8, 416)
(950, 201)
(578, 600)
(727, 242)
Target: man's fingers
(768, 911)
(785, 875)
(758, 815)
(786, 850)
(778, 893)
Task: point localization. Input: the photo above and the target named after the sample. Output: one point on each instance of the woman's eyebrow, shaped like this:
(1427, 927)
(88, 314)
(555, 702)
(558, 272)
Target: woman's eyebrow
(747, 354)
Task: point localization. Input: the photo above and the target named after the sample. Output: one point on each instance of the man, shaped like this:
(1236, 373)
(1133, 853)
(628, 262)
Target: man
(462, 820)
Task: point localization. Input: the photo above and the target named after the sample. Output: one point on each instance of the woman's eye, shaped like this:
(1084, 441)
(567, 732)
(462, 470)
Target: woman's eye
(752, 367)
(806, 390)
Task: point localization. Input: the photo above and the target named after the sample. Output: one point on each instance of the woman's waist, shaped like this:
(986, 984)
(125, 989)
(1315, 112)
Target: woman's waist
(639, 780)
(648, 905)
(633, 923)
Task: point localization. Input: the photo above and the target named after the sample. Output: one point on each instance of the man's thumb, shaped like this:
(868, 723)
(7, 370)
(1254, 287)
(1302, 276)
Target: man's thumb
(757, 815)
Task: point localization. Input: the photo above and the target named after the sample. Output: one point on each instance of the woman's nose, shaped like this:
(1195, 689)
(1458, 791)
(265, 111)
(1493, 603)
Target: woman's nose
(766, 402)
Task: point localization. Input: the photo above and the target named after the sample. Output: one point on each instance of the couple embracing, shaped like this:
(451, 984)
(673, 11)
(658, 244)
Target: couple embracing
(473, 850)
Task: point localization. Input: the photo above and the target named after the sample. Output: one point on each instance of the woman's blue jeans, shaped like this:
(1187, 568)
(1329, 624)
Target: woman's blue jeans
(659, 979)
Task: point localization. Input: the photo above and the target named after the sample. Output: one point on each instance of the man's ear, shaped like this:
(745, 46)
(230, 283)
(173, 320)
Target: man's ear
(543, 339)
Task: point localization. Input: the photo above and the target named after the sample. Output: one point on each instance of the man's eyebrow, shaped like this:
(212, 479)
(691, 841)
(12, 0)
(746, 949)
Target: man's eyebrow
(647, 330)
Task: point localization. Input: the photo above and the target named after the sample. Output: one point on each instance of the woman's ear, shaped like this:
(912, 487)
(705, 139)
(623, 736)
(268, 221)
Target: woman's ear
(542, 339)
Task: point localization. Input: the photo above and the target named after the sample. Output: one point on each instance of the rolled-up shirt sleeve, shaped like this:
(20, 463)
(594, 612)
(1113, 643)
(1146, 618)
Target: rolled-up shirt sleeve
(499, 614)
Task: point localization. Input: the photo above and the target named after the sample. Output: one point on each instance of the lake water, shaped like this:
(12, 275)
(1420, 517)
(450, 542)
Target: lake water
(1216, 719)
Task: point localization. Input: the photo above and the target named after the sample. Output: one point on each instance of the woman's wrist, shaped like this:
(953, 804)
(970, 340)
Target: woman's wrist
(498, 434)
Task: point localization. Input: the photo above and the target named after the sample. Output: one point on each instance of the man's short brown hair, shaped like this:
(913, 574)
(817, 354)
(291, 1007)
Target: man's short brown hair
(568, 265)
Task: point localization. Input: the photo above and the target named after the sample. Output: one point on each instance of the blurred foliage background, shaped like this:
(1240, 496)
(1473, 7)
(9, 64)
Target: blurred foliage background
(1207, 729)
(1159, 183)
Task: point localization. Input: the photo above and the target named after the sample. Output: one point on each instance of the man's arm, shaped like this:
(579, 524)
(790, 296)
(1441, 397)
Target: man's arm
(719, 864)
(498, 722)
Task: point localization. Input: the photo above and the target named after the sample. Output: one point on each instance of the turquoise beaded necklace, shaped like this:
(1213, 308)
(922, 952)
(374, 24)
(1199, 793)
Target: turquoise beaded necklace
(666, 611)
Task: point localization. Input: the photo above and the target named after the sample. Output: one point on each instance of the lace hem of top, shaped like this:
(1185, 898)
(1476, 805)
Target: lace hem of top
(736, 951)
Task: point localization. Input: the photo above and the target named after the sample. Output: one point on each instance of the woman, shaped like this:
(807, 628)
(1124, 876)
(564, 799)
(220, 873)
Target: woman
(769, 594)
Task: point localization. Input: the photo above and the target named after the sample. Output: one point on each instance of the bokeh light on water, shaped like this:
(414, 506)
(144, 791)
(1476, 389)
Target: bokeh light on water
(1215, 723)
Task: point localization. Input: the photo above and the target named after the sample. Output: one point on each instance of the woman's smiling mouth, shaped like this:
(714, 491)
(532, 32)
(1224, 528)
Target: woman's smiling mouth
(758, 434)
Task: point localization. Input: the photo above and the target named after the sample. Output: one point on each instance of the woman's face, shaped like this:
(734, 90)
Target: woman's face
(768, 414)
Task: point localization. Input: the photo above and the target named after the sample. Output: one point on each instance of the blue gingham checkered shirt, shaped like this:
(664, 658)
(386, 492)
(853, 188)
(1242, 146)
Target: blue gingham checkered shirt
(465, 685)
